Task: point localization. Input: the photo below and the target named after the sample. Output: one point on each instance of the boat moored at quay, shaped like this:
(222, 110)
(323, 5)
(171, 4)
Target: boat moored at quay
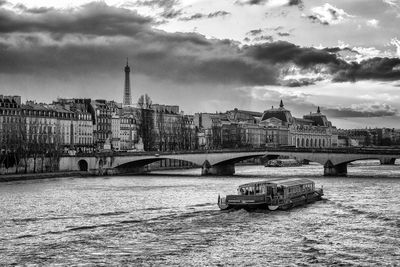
(272, 194)
(282, 163)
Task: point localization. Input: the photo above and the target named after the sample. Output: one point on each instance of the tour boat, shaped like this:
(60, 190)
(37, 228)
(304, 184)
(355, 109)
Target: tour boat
(272, 194)
(282, 163)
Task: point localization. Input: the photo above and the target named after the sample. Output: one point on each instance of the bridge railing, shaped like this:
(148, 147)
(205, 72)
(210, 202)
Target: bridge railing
(352, 150)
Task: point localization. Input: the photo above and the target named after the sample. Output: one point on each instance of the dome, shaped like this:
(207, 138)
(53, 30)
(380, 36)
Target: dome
(280, 113)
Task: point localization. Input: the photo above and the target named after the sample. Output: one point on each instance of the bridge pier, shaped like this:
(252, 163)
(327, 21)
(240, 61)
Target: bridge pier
(218, 170)
(335, 170)
(388, 161)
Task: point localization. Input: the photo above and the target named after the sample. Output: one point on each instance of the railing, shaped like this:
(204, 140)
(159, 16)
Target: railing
(355, 150)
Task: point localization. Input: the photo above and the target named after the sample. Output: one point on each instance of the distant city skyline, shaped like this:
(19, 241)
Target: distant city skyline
(208, 56)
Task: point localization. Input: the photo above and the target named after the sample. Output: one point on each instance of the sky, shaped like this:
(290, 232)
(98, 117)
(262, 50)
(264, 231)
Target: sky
(210, 56)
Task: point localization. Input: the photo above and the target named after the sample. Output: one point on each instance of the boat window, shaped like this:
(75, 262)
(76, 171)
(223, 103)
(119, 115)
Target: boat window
(251, 191)
(261, 189)
(280, 190)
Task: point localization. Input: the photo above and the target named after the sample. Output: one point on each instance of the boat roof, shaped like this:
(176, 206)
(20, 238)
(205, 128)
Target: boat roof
(282, 182)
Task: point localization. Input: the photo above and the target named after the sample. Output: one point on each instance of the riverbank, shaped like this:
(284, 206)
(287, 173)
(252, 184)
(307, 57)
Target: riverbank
(34, 176)
(46, 175)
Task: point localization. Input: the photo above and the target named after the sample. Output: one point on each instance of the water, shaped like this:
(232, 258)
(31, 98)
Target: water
(173, 219)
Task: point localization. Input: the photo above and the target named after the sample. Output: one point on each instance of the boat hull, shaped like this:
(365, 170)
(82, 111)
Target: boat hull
(247, 203)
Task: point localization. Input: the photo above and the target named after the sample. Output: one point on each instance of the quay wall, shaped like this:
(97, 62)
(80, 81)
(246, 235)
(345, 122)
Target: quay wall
(30, 165)
(43, 168)
(46, 175)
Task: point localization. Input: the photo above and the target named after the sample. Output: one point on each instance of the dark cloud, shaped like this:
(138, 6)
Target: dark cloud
(316, 19)
(283, 34)
(254, 32)
(39, 10)
(203, 16)
(283, 52)
(295, 2)
(167, 4)
(298, 83)
(171, 13)
(95, 38)
(94, 18)
(258, 34)
(170, 8)
(265, 38)
(83, 44)
(220, 13)
(194, 17)
(338, 49)
(370, 69)
(251, 2)
(373, 110)
(298, 3)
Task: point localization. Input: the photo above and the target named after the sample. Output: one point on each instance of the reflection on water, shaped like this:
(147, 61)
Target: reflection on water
(172, 219)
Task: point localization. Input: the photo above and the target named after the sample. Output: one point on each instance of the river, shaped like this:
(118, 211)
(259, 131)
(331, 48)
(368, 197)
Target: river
(171, 219)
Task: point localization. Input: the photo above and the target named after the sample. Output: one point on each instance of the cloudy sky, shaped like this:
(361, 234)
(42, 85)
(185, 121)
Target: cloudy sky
(208, 55)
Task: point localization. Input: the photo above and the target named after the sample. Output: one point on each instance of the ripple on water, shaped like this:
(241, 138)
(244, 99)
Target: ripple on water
(153, 221)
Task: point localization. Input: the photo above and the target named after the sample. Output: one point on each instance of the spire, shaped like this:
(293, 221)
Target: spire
(127, 89)
(281, 104)
(318, 110)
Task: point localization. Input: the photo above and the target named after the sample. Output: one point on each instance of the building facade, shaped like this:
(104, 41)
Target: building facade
(313, 130)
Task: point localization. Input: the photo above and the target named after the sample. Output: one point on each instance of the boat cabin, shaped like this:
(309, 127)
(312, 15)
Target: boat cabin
(257, 188)
(285, 187)
(272, 194)
(294, 187)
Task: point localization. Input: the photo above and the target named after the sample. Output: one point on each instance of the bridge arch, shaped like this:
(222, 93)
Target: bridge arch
(234, 160)
(83, 165)
(141, 163)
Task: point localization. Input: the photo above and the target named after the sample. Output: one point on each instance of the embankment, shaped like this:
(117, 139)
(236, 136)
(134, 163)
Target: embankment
(34, 176)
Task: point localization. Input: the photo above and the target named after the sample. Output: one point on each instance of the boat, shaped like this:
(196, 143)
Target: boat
(282, 163)
(275, 194)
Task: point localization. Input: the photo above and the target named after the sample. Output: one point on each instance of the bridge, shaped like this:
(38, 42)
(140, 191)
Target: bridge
(222, 162)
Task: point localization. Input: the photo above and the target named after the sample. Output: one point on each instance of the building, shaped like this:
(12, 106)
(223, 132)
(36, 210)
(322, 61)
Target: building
(313, 130)
(82, 122)
(102, 122)
(211, 125)
(11, 124)
(189, 141)
(173, 130)
(249, 117)
(128, 133)
(115, 131)
(43, 126)
(82, 131)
